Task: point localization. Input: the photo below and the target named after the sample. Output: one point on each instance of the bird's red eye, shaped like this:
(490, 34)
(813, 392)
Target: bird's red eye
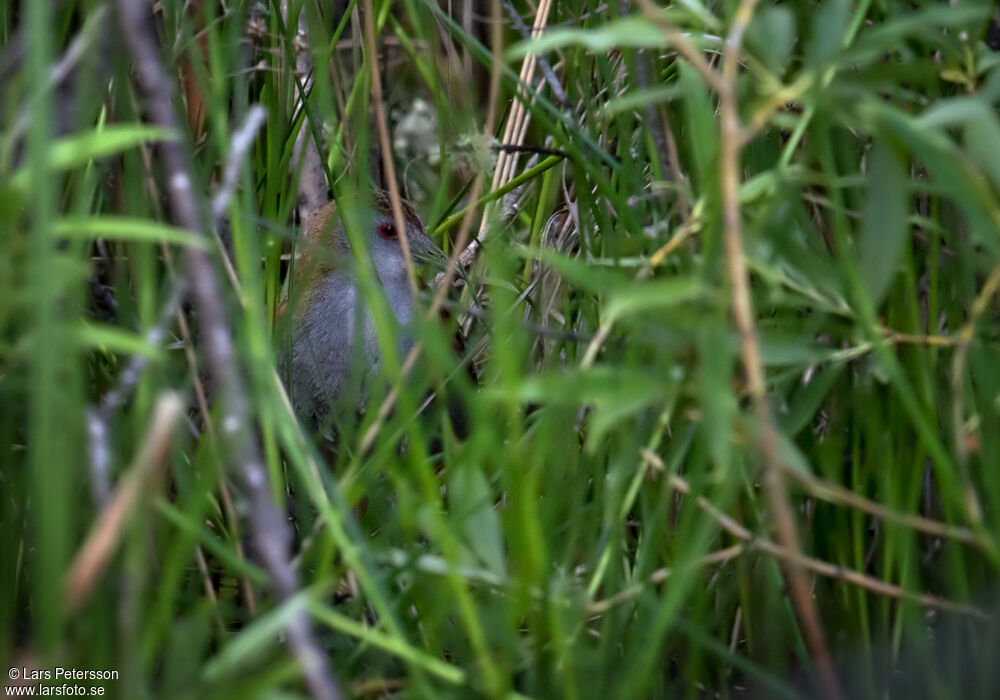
(387, 229)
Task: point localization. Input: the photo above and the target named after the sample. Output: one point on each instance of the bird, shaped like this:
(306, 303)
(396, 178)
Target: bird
(328, 326)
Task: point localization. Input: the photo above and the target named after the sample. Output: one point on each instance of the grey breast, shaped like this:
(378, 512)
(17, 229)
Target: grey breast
(325, 356)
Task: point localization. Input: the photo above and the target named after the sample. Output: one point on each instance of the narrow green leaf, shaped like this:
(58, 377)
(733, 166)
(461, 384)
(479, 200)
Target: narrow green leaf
(807, 400)
(381, 640)
(114, 339)
(885, 227)
(122, 228)
(699, 137)
(254, 640)
(781, 349)
(640, 98)
(80, 148)
(628, 32)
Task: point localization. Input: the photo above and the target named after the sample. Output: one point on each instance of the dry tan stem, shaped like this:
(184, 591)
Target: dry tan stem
(383, 136)
(682, 44)
(368, 439)
(965, 335)
(107, 531)
(599, 607)
(690, 226)
(206, 577)
(835, 493)
(270, 532)
(306, 160)
(514, 132)
(821, 567)
(750, 542)
(731, 142)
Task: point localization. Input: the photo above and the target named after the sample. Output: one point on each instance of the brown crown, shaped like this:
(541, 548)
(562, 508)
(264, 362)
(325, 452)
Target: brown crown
(324, 223)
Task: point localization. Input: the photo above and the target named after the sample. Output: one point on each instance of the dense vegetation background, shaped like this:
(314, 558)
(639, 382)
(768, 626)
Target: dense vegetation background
(735, 423)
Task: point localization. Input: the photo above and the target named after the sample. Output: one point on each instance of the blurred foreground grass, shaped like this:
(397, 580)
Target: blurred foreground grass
(612, 524)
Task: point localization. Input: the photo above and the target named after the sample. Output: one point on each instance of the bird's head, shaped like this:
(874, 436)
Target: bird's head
(326, 248)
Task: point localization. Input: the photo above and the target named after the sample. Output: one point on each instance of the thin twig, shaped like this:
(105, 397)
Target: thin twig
(731, 143)
(99, 417)
(514, 132)
(834, 493)
(819, 566)
(443, 284)
(599, 607)
(682, 45)
(213, 598)
(965, 336)
(383, 135)
(271, 534)
(239, 145)
(66, 64)
(550, 76)
(306, 159)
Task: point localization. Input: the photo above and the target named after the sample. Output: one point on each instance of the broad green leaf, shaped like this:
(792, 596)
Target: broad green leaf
(471, 500)
(951, 169)
(78, 149)
(806, 401)
(647, 296)
(640, 98)
(615, 409)
(628, 32)
(614, 393)
(595, 278)
(932, 24)
(254, 640)
(981, 133)
(782, 349)
(719, 405)
(760, 186)
(122, 228)
(829, 26)
(574, 387)
(884, 230)
(989, 91)
(186, 648)
(701, 135)
(700, 12)
(771, 36)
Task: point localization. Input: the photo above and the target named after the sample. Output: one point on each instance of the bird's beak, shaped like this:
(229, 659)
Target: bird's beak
(429, 255)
